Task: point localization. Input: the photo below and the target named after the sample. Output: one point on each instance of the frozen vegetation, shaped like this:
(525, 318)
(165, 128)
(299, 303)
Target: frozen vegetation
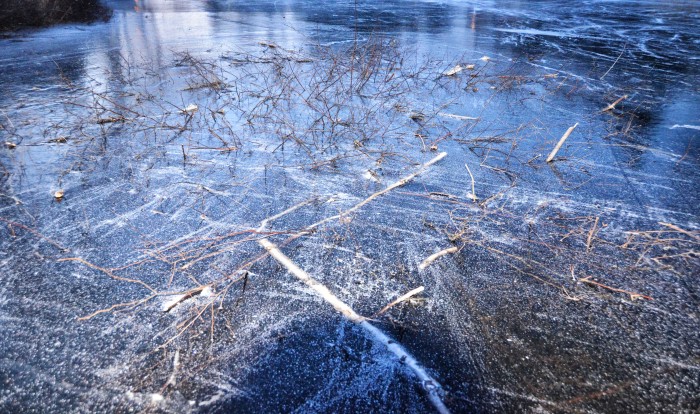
(486, 206)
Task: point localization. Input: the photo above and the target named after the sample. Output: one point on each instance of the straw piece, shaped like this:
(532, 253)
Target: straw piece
(430, 259)
(561, 142)
(612, 105)
(399, 300)
(455, 70)
(590, 234)
(473, 194)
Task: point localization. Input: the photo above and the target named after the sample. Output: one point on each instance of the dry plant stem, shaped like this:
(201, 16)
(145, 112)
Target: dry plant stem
(108, 272)
(598, 394)
(680, 230)
(590, 234)
(176, 367)
(356, 207)
(473, 194)
(222, 250)
(263, 224)
(397, 184)
(431, 386)
(430, 259)
(185, 295)
(117, 306)
(615, 62)
(399, 300)
(300, 274)
(184, 327)
(667, 247)
(561, 142)
(183, 298)
(633, 295)
(500, 254)
(612, 105)
(34, 232)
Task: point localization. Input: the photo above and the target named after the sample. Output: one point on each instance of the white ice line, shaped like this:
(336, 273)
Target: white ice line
(686, 126)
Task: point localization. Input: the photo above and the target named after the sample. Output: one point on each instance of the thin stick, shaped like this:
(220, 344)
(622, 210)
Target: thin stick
(397, 184)
(615, 62)
(590, 234)
(633, 295)
(300, 274)
(181, 298)
(561, 142)
(612, 105)
(117, 306)
(176, 367)
(34, 232)
(473, 194)
(263, 224)
(399, 300)
(403, 181)
(680, 230)
(108, 272)
(431, 386)
(430, 259)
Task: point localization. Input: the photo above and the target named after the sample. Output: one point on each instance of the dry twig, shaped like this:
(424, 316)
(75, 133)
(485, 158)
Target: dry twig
(633, 295)
(612, 105)
(561, 142)
(430, 259)
(398, 300)
(591, 233)
(473, 194)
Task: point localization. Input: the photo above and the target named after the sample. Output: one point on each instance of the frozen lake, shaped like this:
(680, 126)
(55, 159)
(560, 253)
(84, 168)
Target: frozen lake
(243, 206)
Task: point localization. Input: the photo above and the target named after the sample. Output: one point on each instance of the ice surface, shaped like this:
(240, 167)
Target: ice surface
(176, 128)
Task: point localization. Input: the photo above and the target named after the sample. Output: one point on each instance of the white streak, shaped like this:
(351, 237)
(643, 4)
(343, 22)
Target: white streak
(696, 127)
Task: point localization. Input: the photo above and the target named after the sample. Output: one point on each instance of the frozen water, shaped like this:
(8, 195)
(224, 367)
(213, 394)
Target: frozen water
(176, 128)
